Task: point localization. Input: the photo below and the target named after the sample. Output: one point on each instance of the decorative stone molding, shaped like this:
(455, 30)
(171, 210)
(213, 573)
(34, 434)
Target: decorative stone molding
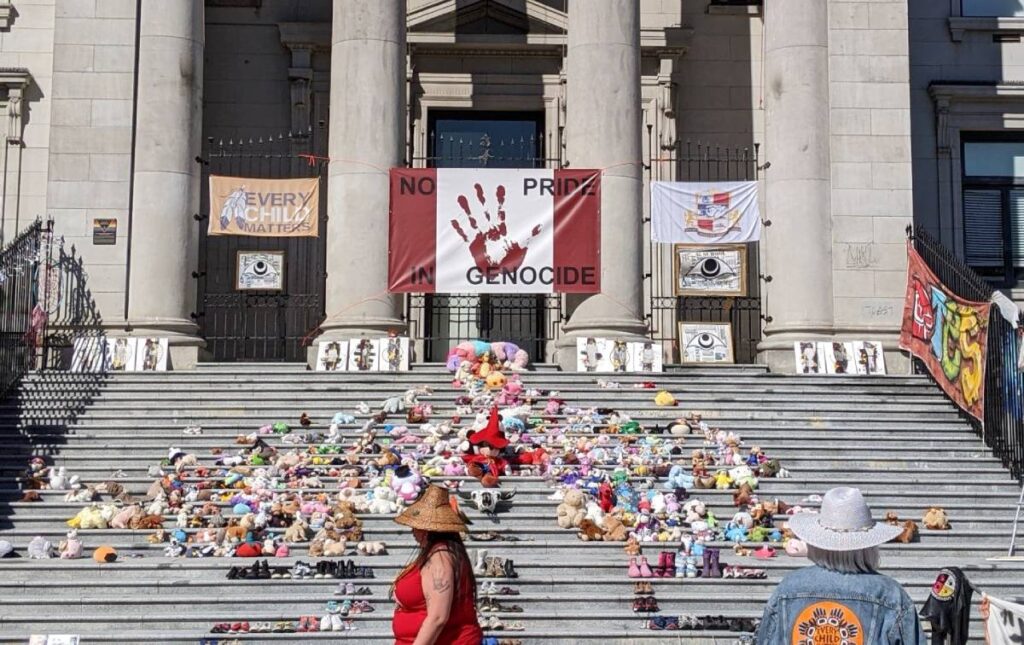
(13, 82)
(7, 14)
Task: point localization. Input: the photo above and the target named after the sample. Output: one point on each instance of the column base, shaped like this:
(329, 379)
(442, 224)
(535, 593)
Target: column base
(183, 341)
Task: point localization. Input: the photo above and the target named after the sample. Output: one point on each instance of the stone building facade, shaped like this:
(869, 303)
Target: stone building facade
(859, 112)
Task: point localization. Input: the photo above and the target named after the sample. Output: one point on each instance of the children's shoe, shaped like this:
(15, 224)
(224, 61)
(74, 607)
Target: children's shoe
(645, 569)
(634, 569)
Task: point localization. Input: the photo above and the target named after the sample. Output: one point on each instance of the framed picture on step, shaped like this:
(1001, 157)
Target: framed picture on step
(394, 354)
(719, 270)
(807, 357)
(151, 355)
(88, 354)
(363, 354)
(701, 342)
(838, 357)
(332, 356)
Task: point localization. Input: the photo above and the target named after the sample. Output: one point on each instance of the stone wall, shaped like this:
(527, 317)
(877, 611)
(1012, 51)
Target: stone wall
(27, 42)
(871, 165)
(91, 138)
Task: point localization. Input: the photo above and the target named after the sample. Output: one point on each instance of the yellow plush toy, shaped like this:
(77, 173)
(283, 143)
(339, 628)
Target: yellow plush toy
(664, 398)
(495, 379)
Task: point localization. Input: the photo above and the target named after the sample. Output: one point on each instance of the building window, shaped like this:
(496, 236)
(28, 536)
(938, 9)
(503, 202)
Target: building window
(992, 8)
(993, 206)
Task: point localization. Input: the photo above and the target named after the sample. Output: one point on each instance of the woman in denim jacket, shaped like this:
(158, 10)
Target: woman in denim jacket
(842, 599)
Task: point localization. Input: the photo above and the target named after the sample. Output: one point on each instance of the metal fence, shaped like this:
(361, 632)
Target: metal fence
(22, 281)
(1003, 428)
(696, 161)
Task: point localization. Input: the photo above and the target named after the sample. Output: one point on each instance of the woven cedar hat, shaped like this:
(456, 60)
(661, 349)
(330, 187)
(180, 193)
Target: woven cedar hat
(432, 512)
(492, 435)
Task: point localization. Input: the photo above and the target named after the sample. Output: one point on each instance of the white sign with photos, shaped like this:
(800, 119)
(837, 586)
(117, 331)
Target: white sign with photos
(119, 354)
(362, 355)
(88, 354)
(393, 354)
(841, 358)
(612, 355)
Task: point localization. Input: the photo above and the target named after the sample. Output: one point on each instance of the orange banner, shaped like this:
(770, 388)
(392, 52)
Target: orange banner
(264, 207)
(949, 334)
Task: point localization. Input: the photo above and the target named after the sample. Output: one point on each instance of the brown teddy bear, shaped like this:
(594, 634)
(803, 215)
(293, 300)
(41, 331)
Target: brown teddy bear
(590, 532)
(909, 533)
(572, 509)
(614, 529)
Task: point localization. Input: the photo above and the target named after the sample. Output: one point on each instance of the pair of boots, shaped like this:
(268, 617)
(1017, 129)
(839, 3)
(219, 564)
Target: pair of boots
(686, 565)
(666, 565)
(711, 566)
(493, 567)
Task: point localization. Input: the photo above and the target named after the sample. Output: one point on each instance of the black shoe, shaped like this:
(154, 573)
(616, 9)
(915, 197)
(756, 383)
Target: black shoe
(233, 573)
(510, 569)
(337, 569)
(350, 569)
(264, 570)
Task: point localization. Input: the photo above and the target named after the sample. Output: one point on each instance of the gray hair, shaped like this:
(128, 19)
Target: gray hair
(859, 561)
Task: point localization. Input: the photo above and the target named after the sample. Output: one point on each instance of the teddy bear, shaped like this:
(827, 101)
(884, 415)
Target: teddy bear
(71, 547)
(406, 483)
(910, 530)
(935, 519)
(298, 531)
(590, 531)
(39, 548)
(572, 510)
(384, 501)
(695, 510)
(614, 529)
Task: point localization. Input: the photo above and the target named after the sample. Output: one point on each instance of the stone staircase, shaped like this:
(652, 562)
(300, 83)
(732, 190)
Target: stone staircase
(895, 437)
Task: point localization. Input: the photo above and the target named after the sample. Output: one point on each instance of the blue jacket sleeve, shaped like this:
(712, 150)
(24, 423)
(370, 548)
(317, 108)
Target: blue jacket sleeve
(768, 632)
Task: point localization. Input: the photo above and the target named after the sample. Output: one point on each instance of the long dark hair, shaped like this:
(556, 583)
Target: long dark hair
(453, 545)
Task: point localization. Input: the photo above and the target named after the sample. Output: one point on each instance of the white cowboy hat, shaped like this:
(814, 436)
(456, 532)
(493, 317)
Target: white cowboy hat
(843, 524)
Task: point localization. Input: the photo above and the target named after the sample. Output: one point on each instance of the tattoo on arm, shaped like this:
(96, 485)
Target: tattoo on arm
(441, 584)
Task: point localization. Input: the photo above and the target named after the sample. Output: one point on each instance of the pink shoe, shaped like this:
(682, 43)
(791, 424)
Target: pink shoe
(645, 569)
(634, 571)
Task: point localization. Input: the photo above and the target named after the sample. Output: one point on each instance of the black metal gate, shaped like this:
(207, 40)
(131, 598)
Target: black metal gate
(475, 139)
(701, 162)
(261, 325)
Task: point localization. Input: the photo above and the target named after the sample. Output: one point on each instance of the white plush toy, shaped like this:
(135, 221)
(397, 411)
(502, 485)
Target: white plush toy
(384, 501)
(158, 506)
(58, 479)
(40, 548)
(594, 513)
(182, 521)
(695, 510)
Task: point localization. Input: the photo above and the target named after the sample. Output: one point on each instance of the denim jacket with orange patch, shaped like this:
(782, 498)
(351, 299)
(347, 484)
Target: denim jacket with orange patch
(814, 606)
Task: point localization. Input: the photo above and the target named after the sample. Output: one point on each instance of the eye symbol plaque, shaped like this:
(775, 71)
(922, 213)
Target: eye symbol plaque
(705, 342)
(260, 271)
(719, 270)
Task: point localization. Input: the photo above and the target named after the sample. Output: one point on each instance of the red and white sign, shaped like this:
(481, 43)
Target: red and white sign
(471, 230)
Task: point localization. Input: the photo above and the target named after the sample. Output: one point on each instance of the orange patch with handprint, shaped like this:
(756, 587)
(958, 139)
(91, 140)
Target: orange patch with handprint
(827, 623)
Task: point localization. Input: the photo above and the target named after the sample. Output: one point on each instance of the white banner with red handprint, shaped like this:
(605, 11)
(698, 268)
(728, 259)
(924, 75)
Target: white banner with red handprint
(472, 230)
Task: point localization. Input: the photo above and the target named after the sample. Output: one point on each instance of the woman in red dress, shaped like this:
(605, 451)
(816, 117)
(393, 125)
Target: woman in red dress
(435, 594)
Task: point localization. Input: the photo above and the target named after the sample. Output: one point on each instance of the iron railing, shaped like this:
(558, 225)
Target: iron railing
(22, 286)
(1003, 427)
(696, 161)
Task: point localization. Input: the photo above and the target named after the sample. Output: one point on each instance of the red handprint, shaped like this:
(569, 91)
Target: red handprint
(510, 253)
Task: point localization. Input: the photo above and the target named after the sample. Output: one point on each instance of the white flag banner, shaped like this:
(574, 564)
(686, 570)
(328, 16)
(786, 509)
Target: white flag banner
(705, 212)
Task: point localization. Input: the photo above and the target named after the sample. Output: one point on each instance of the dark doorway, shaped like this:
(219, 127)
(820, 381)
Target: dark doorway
(474, 139)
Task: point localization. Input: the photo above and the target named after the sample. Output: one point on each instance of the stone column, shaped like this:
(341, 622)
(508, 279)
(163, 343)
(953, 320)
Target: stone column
(164, 235)
(603, 130)
(798, 183)
(367, 137)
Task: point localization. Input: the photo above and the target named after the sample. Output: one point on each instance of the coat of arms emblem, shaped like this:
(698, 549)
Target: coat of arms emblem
(715, 215)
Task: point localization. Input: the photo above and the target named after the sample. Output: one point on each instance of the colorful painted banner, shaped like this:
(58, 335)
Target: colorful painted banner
(468, 230)
(705, 213)
(264, 207)
(949, 334)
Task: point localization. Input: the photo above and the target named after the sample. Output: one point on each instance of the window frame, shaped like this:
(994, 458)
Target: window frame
(1011, 274)
(960, 7)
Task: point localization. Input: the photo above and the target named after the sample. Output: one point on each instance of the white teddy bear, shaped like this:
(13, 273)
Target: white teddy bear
(384, 502)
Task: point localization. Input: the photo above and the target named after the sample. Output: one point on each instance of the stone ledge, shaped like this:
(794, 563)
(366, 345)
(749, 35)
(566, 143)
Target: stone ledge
(958, 25)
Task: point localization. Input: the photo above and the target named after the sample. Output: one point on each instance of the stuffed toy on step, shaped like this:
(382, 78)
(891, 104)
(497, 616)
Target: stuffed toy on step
(572, 511)
(483, 459)
(39, 549)
(71, 547)
(935, 519)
